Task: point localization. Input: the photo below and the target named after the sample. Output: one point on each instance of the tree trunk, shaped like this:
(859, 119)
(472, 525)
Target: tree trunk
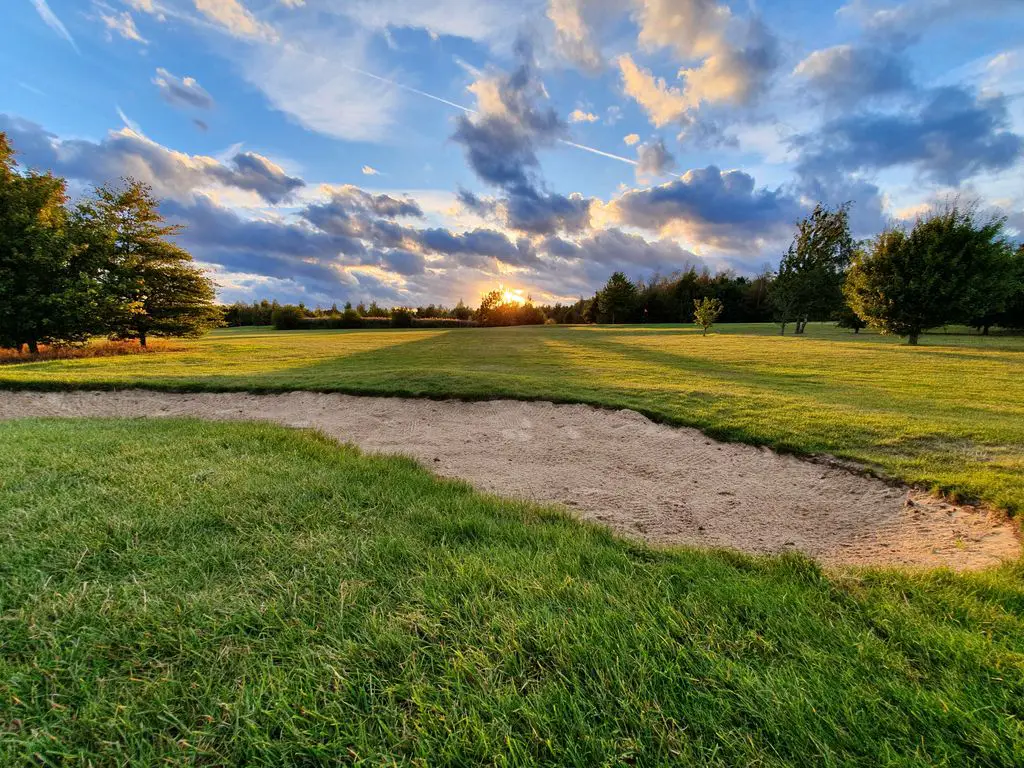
(705, 330)
(984, 330)
(856, 330)
(33, 347)
(783, 332)
(912, 338)
(142, 339)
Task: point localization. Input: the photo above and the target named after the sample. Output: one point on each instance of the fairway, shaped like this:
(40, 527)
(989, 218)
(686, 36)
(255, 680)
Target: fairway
(192, 593)
(948, 415)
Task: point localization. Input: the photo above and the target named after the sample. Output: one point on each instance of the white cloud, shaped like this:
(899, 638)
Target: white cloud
(693, 28)
(579, 116)
(631, 139)
(490, 22)
(317, 81)
(51, 20)
(124, 25)
(369, 170)
(663, 103)
(235, 18)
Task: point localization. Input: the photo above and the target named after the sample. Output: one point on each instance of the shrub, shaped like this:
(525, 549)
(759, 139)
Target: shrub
(287, 318)
(401, 318)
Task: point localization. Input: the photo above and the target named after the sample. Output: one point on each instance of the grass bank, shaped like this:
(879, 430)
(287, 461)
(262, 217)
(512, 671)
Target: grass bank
(241, 594)
(947, 415)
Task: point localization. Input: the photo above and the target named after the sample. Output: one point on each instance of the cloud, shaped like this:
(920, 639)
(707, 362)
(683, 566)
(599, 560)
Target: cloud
(631, 139)
(905, 23)
(235, 18)
(663, 103)
(369, 170)
(316, 79)
(613, 249)
(124, 25)
(653, 160)
(578, 25)
(486, 22)
(692, 28)
(723, 209)
(952, 135)
(182, 92)
(127, 152)
(579, 116)
(848, 74)
(54, 23)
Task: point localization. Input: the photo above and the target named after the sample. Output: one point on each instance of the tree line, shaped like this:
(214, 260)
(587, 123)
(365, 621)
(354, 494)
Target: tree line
(105, 266)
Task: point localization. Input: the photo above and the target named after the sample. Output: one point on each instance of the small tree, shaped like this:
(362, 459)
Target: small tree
(618, 299)
(154, 288)
(847, 318)
(810, 278)
(907, 283)
(706, 311)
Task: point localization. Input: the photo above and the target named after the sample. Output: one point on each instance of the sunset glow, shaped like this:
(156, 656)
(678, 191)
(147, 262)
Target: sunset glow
(516, 296)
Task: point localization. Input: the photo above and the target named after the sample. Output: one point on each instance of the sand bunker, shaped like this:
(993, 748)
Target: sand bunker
(665, 485)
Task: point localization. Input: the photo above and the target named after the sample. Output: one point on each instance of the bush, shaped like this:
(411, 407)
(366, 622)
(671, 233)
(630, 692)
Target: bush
(401, 318)
(287, 318)
(442, 322)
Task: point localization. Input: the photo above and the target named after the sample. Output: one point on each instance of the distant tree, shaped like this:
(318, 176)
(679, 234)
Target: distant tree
(47, 292)
(847, 318)
(995, 292)
(351, 318)
(810, 277)
(153, 286)
(461, 311)
(906, 283)
(706, 312)
(401, 318)
(618, 299)
(287, 318)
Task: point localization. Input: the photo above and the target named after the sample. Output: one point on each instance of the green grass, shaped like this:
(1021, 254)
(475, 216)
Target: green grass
(185, 592)
(948, 415)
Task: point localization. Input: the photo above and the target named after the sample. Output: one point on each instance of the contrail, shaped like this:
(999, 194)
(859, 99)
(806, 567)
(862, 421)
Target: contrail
(468, 110)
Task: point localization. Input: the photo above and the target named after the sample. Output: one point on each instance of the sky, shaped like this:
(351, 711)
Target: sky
(411, 152)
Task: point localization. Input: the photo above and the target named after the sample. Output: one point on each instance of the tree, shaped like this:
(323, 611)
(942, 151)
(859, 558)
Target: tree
(618, 299)
(706, 311)
(154, 288)
(46, 292)
(907, 283)
(810, 278)
(847, 318)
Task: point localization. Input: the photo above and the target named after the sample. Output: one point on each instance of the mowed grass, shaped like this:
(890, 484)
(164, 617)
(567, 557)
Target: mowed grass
(948, 415)
(182, 592)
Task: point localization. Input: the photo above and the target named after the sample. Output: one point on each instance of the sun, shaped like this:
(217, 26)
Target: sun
(512, 296)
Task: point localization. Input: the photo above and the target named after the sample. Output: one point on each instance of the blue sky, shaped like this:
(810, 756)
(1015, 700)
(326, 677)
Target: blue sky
(412, 152)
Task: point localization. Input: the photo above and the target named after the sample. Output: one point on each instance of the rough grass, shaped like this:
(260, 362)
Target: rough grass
(104, 348)
(184, 592)
(948, 415)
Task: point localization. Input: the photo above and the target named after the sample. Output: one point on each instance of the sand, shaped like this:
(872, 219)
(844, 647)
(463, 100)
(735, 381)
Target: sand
(664, 485)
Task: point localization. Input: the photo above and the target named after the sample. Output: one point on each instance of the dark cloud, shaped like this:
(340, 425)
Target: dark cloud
(905, 23)
(615, 249)
(653, 159)
(847, 74)
(501, 142)
(127, 153)
(182, 91)
(404, 262)
(353, 212)
(951, 137)
(723, 209)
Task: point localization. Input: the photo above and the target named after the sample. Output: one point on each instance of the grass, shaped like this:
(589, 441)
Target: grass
(192, 593)
(948, 415)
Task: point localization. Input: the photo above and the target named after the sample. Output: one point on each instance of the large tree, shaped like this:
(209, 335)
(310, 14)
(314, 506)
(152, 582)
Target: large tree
(618, 299)
(47, 293)
(905, 283)
(810, 278)
(154, 288)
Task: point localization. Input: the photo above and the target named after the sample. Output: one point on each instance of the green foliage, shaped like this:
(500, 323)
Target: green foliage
(706, 312)
(241, 594)
(401, 318)
(949, 267)
(287, 318)
(108, 267)
(618, 300)
(847, 318)
(810, 277)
